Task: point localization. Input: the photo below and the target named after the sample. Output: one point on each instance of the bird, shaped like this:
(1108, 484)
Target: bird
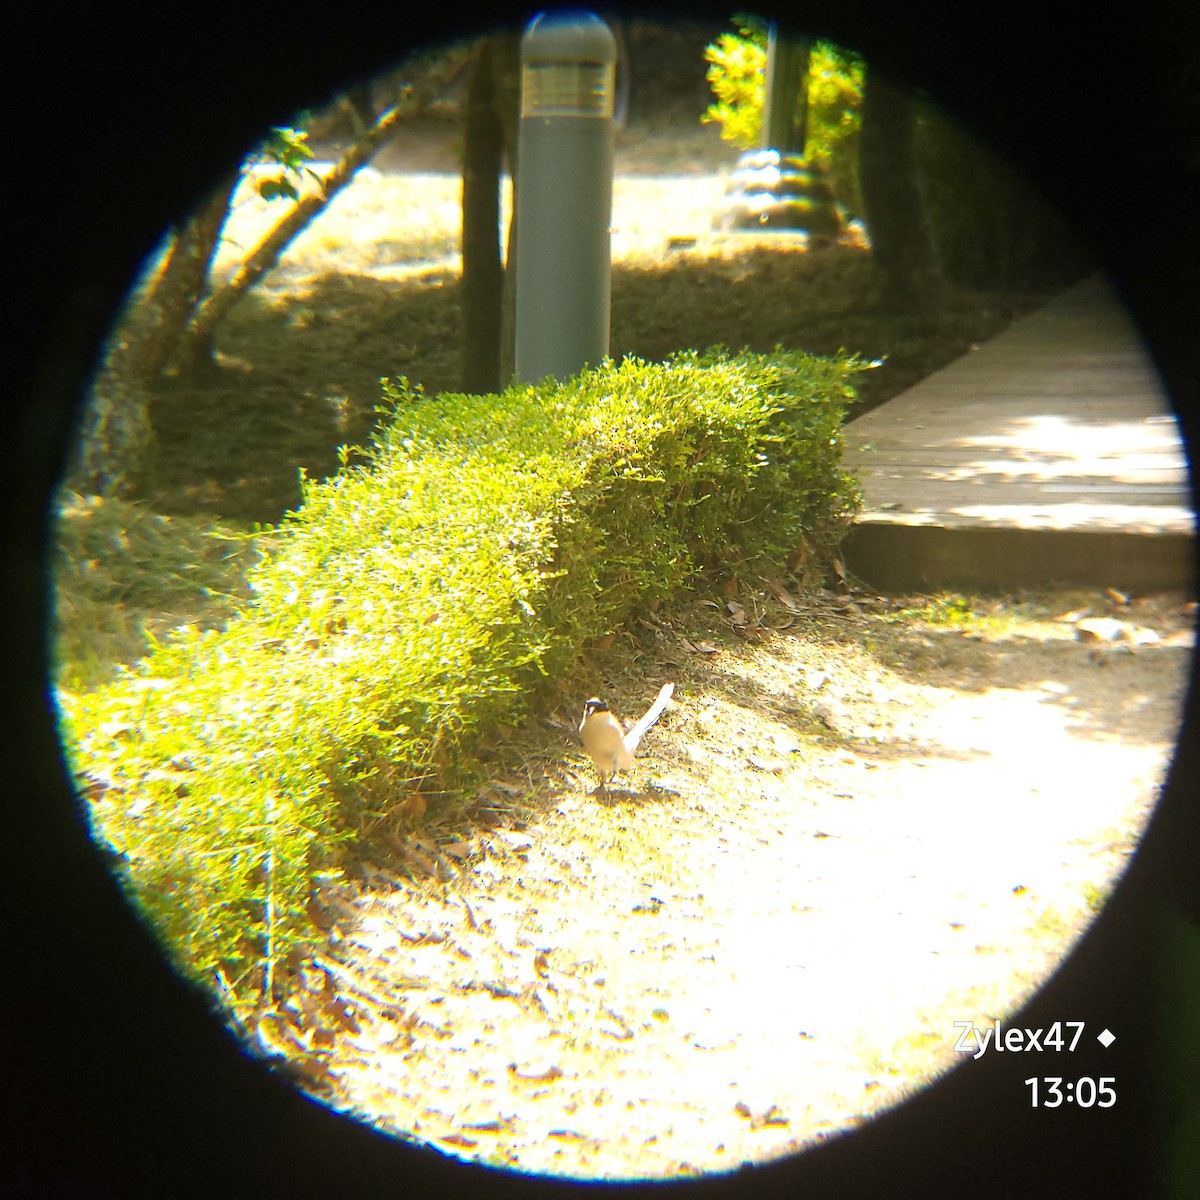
(610, 747)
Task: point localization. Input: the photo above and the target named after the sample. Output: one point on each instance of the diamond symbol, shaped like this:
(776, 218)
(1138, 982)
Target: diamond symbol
(1105, 1038)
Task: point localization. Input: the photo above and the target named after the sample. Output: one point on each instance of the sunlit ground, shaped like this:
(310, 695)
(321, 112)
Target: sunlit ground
(772, 936)
(388, 224)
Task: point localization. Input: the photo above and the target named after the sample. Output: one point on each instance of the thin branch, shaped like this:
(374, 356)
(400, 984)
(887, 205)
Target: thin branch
(267, 253)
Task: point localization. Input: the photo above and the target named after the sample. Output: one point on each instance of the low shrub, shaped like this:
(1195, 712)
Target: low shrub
(413, 601)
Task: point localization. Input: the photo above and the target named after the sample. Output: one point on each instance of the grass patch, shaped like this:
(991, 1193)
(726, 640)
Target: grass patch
(124, 576)
(413, 603)
(994, 616)
(945, 610)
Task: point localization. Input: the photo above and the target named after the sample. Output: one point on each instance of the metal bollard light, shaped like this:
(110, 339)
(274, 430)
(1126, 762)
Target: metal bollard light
(564, 195)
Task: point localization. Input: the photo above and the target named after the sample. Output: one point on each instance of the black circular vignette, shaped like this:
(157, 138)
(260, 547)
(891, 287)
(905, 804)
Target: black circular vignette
(124, 1082)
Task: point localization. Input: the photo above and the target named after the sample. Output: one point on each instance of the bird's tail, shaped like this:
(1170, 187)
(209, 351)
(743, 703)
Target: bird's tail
(635, 735)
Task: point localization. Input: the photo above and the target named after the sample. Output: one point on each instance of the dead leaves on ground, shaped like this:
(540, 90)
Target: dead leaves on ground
(761, 1120)
(404, 965)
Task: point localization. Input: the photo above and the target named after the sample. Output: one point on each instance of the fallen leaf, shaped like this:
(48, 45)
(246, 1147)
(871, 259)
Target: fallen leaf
(566, 1135)
(519, 843)
(773, 1116)
(344, 1014)
(1076, 614)
(1109, 629)
(321, 918)
(323, 1038)
(1098, 629)
(472, 923)
(414, 858)
(770, 765)
(509, 789)
(412, 808)
(456, 1139)
(277, 1036)
(783, 595)
(615, 1023)
(535, 1073)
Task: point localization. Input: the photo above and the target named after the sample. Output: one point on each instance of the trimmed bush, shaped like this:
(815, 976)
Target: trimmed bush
(410, 603)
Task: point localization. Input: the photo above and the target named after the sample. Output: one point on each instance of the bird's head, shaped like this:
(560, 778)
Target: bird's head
(594, 705)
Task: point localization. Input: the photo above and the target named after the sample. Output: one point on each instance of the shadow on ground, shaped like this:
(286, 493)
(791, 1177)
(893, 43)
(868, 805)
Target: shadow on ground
(301, 357)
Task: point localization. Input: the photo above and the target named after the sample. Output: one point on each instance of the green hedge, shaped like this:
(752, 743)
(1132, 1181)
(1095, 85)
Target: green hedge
(409, 603)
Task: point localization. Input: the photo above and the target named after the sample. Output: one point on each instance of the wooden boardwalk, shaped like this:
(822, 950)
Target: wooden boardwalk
(1049, 455)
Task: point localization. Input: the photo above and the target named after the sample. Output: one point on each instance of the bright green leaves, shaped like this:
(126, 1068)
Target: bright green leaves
(289, 149)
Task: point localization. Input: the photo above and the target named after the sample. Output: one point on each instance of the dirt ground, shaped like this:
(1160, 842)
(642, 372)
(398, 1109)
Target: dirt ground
(858, 822)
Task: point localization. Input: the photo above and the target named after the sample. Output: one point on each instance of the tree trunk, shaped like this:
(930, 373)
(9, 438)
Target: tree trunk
(785, 115)
(156, 328)
(116, 451)
(176, 325)
(900, 240)
(116, 445)
(482, 271)
(196, 345)
(507, 85)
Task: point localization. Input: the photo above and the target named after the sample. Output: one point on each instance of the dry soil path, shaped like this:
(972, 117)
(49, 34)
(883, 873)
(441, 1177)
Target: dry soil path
(835, 847)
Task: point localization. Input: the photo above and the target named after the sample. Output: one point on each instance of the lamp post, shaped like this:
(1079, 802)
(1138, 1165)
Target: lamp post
(564, 195)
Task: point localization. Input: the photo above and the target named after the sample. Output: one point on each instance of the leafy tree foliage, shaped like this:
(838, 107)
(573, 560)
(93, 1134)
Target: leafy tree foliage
(737, 75)
(289, 149)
